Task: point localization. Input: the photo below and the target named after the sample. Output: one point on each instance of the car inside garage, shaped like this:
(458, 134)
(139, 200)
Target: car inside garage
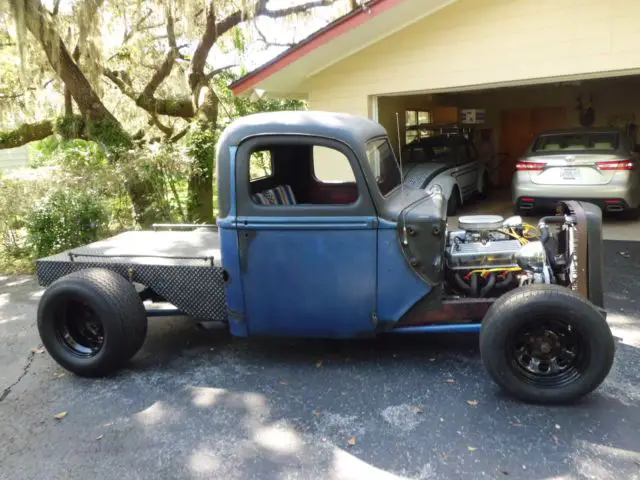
(503, 121)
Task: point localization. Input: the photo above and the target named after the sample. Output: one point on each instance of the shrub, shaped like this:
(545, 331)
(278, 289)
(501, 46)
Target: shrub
(64, 220)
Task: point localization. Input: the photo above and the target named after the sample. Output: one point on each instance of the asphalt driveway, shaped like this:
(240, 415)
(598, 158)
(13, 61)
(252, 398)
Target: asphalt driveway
(200, 405)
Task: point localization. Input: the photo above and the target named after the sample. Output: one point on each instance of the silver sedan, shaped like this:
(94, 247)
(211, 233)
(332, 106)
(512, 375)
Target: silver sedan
(598, 165)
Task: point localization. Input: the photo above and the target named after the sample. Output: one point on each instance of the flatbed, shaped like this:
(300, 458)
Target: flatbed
(181, 267)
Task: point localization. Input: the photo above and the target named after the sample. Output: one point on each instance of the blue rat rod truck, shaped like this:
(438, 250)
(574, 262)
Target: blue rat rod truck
(317, 237)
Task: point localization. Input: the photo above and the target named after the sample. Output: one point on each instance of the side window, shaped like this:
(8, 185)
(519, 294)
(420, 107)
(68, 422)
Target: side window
(260, 165)
(331, 166)
(301, 174)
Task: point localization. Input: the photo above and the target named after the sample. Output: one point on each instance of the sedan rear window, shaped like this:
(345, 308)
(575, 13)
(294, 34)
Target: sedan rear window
(572, 142)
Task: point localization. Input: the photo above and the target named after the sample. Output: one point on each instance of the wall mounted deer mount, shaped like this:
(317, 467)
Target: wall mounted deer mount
(586, 112)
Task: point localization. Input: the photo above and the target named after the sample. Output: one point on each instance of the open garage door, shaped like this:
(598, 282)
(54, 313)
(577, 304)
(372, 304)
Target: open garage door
(504, 121)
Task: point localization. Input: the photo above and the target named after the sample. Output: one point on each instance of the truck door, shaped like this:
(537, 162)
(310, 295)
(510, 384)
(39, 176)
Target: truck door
(307, 235)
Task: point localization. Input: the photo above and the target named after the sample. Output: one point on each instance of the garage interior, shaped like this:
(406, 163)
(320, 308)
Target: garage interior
(505, 120)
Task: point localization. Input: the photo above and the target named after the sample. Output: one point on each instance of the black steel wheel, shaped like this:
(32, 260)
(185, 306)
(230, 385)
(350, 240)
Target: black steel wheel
(79, 328)
(92, 321)
(550, 352)
(546, 344)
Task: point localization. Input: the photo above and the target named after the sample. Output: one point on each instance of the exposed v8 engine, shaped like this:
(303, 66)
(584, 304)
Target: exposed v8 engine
(487, 254)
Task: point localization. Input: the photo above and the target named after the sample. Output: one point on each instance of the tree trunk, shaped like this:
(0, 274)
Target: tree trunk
(200, 205)
(147, 207)
(200, 200)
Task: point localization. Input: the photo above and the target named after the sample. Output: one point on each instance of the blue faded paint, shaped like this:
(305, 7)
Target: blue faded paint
(229, 249)
(452, 328)
(309, 277)
(399, 288)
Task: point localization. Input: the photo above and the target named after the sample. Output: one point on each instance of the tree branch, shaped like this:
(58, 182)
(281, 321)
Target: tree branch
(217, 71)
(175, 107)
(12, 96)
(25, 133)
(68, 100)
(167, 65)
(230, 21)
(179, 135)
(37, 20)
(268, 43)
(210, 35)
(168, 131)
(237, 17)
(262, 10)
(128, 34)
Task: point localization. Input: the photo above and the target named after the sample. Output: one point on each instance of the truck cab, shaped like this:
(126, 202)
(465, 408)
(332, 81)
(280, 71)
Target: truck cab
(309, 206)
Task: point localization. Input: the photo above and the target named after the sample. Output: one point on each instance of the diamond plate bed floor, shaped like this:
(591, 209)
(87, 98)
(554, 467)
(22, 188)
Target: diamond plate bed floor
(149, 247)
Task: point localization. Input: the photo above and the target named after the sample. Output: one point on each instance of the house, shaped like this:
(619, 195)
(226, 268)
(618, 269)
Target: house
(14, 158)
(510, 68)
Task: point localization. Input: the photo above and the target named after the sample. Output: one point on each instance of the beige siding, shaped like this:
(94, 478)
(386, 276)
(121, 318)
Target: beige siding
(476, 42)
(334, 99)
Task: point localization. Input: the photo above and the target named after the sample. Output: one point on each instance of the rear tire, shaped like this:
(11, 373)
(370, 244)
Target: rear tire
(92, 322)
(522, 212)
(567, 354)
(631, 214)
(453, 202)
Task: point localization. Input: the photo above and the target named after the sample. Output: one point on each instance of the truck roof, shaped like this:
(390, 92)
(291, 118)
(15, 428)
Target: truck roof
(340, 126)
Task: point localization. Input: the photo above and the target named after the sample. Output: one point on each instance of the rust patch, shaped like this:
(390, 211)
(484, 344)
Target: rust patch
(465, 310)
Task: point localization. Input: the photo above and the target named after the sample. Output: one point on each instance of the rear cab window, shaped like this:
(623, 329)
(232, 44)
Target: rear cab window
(576, 142)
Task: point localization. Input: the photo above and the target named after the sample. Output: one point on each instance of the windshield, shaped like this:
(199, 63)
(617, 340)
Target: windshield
(383, 164)
(564, 142)
(437, 149)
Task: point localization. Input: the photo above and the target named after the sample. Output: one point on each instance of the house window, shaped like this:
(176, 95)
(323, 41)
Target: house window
(260, 165)
(416, 123)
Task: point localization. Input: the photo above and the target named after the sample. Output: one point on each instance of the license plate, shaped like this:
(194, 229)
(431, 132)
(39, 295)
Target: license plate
(570, 173)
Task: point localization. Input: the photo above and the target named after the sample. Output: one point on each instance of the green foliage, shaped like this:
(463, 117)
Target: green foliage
(69, 127)
(64, 220)
(109, 134)
(164, 167)
(201, 145)
(234, 107)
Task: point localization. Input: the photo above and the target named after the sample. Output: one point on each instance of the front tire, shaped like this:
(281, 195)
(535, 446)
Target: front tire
(92, 321)
(546, 344)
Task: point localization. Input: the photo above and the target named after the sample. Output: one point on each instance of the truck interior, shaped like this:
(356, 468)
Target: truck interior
(301, 175)
(307, 174)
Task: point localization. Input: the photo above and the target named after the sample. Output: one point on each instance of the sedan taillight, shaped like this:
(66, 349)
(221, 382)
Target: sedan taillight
(530, 166)
(617, 165)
